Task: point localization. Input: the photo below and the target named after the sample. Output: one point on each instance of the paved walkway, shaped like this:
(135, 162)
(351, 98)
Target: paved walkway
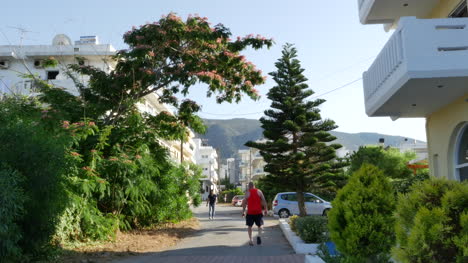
(224, 240)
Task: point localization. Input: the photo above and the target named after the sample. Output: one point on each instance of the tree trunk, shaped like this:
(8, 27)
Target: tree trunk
(301, 203)
(181, 151)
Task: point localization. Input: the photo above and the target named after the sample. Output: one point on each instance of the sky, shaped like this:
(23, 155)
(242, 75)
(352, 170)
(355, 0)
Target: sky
(333, 47)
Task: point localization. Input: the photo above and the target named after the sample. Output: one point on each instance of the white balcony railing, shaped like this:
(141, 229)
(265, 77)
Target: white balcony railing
(389, 11)
(423, 67)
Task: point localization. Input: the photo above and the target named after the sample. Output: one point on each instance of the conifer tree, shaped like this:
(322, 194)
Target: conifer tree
(297, 150)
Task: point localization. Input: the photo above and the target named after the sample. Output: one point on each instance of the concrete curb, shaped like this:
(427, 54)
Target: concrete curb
(298, 245)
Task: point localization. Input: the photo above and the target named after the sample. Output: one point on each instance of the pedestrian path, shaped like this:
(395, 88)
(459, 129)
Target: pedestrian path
(225, 240)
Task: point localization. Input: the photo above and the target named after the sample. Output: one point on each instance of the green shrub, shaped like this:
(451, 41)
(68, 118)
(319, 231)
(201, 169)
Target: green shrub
(12, 199)
(292, 222)
(312, 229)
(29, 149)
(361, 222)
(432, 223)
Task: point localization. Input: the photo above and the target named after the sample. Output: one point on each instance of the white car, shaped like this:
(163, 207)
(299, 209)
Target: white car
(285, 204)
(239, 201)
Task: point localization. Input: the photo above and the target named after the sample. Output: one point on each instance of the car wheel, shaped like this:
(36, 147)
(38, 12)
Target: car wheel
(325, 212)
(283, 213)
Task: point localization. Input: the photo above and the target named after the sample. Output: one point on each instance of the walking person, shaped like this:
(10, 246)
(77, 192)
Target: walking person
(212, 199)
(254, 200)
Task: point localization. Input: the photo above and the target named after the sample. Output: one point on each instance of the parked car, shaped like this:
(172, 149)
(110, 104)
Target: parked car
(239, 202)
(236, 198)
(285, 204)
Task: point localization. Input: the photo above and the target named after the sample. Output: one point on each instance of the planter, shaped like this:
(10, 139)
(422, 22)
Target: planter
(299, 246)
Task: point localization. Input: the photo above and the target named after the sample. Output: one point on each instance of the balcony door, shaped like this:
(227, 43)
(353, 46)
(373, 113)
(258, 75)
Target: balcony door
(461, 154)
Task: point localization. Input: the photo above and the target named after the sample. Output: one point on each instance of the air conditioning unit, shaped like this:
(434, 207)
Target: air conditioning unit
(4, 64)
(38, 63)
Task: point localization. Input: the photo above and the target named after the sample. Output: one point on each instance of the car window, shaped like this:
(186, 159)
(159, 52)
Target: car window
(309, 198)
(292, 197)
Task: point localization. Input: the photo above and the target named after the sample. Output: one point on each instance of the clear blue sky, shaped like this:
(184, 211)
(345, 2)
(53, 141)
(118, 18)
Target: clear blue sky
(333, 46)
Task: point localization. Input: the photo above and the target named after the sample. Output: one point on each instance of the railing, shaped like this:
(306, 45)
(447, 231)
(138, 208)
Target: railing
(389, 59)
(422, 58)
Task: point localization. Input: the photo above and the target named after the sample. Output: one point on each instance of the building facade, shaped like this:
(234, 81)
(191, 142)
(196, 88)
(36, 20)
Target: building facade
(207, 158)
(422, 71)
(251, 166)
(29, 59)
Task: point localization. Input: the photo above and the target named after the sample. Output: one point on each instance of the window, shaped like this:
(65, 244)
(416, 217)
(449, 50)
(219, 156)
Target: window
(289, 197)
(460, 11)
(461, 154)
(52, 74)
(311, 198)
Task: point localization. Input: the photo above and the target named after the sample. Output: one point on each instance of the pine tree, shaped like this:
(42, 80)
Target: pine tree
(297, 150)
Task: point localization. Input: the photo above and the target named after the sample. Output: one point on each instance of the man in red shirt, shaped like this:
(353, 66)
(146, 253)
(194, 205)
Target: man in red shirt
(254, 200)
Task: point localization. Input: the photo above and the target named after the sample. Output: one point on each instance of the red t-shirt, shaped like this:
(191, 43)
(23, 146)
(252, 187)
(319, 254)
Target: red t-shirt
(254, 203)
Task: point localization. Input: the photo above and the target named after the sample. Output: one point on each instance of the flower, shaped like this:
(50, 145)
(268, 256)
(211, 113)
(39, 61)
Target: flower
(74, 154)
(66, 124)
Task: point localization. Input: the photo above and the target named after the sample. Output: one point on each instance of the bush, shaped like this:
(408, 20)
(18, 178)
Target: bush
(432, 223)
(292, 222)
(12, 199)
(29, 149)
(361, 222)
(312, 229)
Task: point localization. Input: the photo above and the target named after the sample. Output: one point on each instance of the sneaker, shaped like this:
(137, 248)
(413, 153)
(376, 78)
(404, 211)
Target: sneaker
(259, 240)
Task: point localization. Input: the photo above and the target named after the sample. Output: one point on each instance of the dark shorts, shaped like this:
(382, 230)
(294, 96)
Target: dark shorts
(251, 219)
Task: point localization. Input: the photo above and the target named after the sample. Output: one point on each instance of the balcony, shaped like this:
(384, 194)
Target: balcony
(423, 67)
(389, 11)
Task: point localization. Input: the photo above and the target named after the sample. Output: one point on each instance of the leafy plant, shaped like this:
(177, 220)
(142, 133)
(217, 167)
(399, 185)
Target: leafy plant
(292, 222)
(12, 199)
(361, 221)
(432, 222)
(26, 145)
(312, 229)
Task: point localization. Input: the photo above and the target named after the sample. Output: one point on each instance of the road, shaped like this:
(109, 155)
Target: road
(225, 240)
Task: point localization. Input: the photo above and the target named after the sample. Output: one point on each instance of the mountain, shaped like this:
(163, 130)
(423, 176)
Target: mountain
(228, 136)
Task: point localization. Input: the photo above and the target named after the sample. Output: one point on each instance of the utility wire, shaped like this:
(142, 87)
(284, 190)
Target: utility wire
(315, 97)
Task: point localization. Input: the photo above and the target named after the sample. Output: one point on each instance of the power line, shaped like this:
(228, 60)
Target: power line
(315, 97)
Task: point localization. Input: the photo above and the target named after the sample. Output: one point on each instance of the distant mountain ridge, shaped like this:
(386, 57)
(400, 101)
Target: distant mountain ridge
(229, 136)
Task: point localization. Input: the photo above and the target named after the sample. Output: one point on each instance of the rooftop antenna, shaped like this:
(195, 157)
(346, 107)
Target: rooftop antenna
(22, 32)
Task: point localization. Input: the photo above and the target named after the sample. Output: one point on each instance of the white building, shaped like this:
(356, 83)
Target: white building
(419, 148)
(231, 170)
(251, 166)
(207, 158)
(29, 59)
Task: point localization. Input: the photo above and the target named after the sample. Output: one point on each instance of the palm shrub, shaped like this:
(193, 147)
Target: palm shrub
(12, 199)
(432, 223)
(361, 222)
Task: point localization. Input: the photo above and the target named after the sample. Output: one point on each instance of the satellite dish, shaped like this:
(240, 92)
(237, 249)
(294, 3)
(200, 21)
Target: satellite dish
(61, 40)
